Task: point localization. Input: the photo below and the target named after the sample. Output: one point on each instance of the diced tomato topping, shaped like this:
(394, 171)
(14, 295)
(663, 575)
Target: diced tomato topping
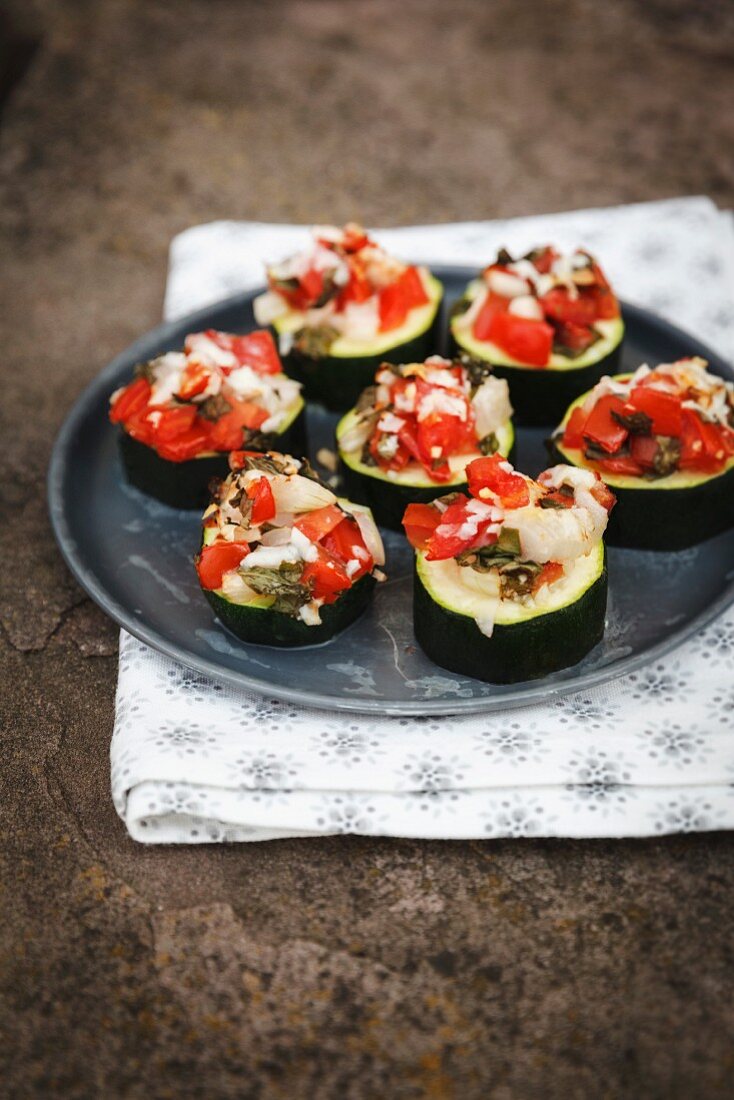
(574, 337)
(493, 303)
(174, 421)
(526, 341)
(326, 576)
(187, 445)
(543, 259)
(561, 500)
(263, 501)
(217, 559)
(131, 400)
(704, 446)
(226, 433)
(396, 300)
(551, 571)
(460, 528)
(573, 432)
(194, 381)
(420, 521)
(664, 409)
(643, 449)
(604, 495)
(620, 464)
(492, 473)
(559, 305)
(602, 428)
(318, 523)
(257, 350)
(605, 300)
(346, 543)
(358, 289)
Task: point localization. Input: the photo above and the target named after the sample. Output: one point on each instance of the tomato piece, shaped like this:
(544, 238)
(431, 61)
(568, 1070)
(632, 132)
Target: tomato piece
(226, 434)
(318, 523)
(133, 399)
(354, 238)
(575, 337)
(604, 495)
(643, 449)
(551, 571)
(217, 559)
(257, 350)
(495, 473)
(561, 500)
(704, 446)
(396, 300)
(194, 381)
(345, 542)
(420, 521)
(664, 409)
(605, 301)
(358, 289)
(620, 464)
(526, 341)
(573, 432)
(493, 303)
(186, 445)
(263, 501)
(464, 525)
(601, 427)
(174, 421)
(326, 576)
(559, 306)
(543, 258)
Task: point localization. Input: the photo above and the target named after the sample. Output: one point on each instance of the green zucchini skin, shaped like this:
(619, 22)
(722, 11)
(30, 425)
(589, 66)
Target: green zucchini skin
(541, 396)
(515, 653)
(388, 500)
(185, 485)
(337, 382)
(667, 519)
(261, 626)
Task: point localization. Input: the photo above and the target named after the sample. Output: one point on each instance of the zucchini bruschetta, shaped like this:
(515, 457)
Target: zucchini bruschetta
(342, 307)
(283, 562)
(413, 433)
(549, 323)
(663, 439)
(185, 410)
(510, 582)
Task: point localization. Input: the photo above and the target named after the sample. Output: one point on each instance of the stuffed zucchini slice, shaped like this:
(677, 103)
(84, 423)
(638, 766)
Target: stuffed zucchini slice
(663, 439)
(184, 411)
(413, 433)
(282, 561)
(549, 323)
(344, 306)
(510, 582)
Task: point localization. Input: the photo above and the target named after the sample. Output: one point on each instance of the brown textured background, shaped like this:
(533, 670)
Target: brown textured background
(342, 968)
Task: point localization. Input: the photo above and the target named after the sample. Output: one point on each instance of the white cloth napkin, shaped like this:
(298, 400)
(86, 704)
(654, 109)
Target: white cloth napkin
(196, 761)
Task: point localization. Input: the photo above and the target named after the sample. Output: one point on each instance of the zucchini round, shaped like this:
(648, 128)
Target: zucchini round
(186, 484)
(337, 379)
(540, 395)
(257, 624)
(524, 644)
(388, 497)
(669, 513)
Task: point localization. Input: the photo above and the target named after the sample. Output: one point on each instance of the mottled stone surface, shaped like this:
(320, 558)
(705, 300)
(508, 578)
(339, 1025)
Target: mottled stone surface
(342, 968)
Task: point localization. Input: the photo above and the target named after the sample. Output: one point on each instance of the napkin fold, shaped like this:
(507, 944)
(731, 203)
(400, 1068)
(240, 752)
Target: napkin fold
(195, 761)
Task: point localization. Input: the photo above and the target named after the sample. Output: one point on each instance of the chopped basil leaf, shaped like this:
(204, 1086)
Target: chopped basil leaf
(638, 423)
(283, 583)
(214, 407)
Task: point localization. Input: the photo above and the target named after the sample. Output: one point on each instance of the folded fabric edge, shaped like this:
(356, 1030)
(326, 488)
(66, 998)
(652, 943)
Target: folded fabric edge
(178, 815)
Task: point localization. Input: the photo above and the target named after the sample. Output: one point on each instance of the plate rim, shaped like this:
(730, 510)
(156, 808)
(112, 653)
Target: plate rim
(534, 692)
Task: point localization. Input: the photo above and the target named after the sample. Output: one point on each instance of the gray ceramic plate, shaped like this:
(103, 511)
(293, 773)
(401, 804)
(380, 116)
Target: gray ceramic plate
(133, 556)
